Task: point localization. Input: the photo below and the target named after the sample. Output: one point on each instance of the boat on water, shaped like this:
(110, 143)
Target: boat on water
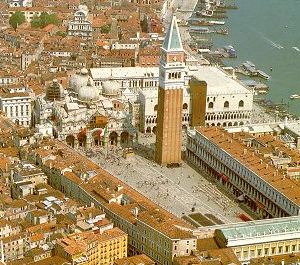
(205, 13)
(250, 64)
(200, 30)
(295, 96)
(262, 74)
(222, 31)
(200, 23)
(215, 22)
(230, 51)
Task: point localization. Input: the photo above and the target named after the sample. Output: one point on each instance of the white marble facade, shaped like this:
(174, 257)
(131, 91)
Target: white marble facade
(81, 26)
(229, 103)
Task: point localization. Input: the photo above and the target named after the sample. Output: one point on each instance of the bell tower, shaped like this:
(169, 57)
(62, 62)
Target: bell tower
(170, 97)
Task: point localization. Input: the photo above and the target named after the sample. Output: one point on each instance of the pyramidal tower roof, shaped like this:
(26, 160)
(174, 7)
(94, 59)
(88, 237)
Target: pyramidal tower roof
(173, 39)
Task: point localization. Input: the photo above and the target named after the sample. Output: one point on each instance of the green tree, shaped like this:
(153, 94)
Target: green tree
(61, 33)
(16, 19)
(35, 22)
(105, 29)
(44, 20)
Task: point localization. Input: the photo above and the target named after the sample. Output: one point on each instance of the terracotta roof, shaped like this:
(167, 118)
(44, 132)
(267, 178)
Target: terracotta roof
(135, 260)
(106, 188)
(233, 144)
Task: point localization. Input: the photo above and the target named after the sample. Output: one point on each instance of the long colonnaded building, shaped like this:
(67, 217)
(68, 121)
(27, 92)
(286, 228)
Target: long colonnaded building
(254, 169)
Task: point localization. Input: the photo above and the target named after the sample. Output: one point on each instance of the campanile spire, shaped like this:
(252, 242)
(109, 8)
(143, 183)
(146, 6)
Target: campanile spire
(170, 97)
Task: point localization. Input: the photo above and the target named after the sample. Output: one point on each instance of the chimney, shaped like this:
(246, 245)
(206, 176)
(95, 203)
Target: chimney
(260, 161)
(245, 151)
(135, 211)
(267, 165)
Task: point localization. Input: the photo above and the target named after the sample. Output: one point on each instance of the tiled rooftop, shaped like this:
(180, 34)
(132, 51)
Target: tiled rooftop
(106, 189)
(258, 163)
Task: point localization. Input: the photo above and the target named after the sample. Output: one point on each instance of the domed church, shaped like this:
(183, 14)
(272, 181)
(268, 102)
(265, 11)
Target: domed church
(85, 115)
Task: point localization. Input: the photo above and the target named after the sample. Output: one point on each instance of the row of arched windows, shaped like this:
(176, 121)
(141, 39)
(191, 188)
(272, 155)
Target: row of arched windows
(151, 120)
(225, 124)
(175, 75)
(227, 116)
(226, 104)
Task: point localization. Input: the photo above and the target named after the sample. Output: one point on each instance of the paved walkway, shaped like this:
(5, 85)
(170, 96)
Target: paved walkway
(177, 190)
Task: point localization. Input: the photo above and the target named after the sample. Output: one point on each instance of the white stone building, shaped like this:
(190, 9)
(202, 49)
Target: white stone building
(229, 103)
(16, 103)
(7, 79)
(20, 3)
(125, 45)
(148, 109)
(81, 26)
(88, 115)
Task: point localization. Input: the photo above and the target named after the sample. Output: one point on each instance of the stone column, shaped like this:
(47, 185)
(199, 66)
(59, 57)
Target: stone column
(88, 143)
(105, 143)
(119, 140)
(76, 143)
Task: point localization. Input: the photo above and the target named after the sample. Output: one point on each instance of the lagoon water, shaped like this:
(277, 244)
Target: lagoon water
(267, 32)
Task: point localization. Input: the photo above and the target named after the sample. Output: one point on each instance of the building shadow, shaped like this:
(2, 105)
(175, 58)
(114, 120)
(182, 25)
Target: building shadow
(144, 151)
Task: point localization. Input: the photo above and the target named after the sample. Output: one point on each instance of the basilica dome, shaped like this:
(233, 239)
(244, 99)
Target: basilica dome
(79, 80)
(88, 93)
(111, 88)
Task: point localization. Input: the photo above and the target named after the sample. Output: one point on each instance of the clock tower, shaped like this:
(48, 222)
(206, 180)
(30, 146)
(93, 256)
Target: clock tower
(170, 97)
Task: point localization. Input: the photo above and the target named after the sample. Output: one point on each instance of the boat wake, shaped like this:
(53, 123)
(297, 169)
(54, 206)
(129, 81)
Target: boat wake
(296, 48)
(274, 44)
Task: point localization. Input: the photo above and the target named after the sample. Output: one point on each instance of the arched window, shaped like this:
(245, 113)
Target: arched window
(210, 105)
(185, 106)
(155, 107)
(241, 103)
(226, 104)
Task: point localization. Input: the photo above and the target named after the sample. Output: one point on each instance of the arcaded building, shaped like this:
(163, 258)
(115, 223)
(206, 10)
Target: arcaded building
(228, 102)
(86, 115)
(254, 169)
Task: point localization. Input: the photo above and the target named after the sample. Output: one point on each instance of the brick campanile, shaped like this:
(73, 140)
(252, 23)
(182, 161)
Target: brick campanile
(170, 97)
